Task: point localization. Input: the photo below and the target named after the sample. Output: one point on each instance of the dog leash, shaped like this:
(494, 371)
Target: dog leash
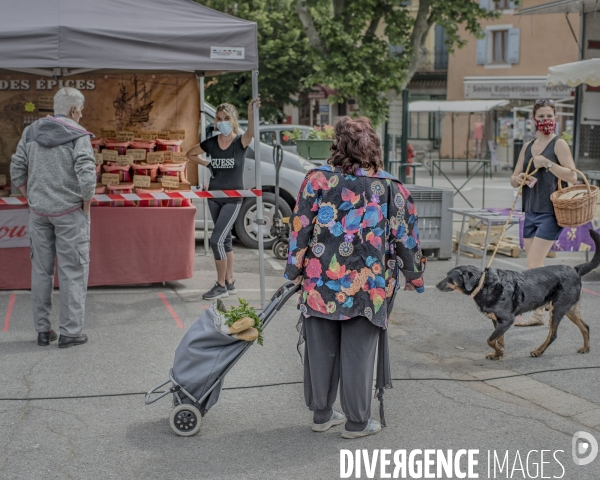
(512, 209)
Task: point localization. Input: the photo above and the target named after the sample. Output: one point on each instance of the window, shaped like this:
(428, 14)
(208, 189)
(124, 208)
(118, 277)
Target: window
(497, 4)
(499, 46)
(270, 138)
(441, 48)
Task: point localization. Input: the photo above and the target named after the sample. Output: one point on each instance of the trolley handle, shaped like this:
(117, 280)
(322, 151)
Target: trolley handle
(148, 399)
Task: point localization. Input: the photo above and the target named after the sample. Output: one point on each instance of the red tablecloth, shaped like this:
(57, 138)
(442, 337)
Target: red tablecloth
(129, 245)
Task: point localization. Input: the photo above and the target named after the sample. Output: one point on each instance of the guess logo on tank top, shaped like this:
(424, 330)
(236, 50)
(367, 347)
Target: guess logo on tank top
(222, 162)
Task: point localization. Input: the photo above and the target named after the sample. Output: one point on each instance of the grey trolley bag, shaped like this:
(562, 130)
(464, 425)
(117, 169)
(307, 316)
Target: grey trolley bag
(202, 359)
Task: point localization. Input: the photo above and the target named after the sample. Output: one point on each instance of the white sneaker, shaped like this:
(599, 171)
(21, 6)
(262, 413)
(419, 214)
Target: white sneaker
(373, 427)
(336, 419)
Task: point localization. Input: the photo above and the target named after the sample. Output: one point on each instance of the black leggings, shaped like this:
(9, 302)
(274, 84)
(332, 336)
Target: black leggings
(223, 215)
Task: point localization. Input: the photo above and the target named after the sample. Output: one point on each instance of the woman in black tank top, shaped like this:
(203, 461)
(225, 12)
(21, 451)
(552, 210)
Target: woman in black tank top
(552, 156)
(228, 152)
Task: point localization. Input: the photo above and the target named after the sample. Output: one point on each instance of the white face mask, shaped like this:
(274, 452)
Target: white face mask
(224, 127)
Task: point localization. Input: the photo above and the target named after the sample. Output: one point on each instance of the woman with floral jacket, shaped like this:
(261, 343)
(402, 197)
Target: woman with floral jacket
(354, 228)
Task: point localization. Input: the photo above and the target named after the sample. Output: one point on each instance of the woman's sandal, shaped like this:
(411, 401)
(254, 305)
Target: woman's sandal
(536, 319)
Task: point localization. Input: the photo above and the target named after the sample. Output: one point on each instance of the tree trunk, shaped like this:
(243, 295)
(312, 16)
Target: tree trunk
(418, 38)
(314, 39)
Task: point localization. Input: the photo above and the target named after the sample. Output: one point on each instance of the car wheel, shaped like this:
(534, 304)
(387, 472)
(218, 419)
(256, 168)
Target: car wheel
(247, 230)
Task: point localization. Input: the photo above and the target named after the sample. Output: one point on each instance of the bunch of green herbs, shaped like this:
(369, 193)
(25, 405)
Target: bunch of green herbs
(234, 313)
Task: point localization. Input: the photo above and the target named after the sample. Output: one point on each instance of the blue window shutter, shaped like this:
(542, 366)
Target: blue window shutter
(482, 49)
(514, 45)
(485, 4)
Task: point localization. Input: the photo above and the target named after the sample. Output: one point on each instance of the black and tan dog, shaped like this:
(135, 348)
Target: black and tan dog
(506, 294)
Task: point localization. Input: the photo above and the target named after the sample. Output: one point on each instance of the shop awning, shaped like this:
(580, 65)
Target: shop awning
(456, 106)
(576, 73)
(124, 34)
(562, 6)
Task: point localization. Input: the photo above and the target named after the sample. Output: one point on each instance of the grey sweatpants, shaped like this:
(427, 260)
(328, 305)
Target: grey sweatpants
(68, 238)
(340, 351)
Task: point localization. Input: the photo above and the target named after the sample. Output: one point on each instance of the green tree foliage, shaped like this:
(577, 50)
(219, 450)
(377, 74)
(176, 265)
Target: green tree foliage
(359, 62)
(283, 57)
(361, 48)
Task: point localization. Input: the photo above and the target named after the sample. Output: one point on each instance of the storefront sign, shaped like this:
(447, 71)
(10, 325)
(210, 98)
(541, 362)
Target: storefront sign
(14, 228)
(46, 84)
(513, 88)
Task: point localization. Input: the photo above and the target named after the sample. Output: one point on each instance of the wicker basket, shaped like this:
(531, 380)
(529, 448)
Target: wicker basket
(573, 212)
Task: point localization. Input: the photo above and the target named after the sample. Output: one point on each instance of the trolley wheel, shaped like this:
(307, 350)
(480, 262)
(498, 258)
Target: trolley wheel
(280, 249)
(185, 420)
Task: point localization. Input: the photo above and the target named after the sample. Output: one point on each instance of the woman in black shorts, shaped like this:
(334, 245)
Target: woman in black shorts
(228, 153)
(553, 158)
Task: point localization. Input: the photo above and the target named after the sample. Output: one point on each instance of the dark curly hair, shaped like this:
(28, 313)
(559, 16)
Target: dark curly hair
(356, 145)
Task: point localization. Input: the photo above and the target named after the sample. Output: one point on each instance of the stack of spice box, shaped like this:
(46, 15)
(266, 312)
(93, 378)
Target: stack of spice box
(140, 161)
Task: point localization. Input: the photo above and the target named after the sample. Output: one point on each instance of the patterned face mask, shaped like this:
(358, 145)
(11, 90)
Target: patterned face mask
(546, 126)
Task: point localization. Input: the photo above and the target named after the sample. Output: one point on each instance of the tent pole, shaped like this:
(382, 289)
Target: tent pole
(202, 180)
(468, 137)
(452, 139)
(259, 201)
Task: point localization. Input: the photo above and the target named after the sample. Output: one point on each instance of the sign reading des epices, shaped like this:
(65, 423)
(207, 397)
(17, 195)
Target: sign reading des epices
(46, 84)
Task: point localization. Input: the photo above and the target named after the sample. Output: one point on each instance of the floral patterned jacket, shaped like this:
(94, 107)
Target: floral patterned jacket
(351, 235)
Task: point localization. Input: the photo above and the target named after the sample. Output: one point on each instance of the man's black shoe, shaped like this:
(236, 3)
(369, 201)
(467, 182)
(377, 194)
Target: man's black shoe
(66, 342)
(44, 338)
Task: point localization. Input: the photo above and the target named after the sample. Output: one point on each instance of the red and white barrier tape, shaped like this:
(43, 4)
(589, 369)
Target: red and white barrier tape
(116, 197)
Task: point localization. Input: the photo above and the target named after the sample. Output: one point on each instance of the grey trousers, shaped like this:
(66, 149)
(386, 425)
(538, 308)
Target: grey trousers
(340, 351)
(66, 237)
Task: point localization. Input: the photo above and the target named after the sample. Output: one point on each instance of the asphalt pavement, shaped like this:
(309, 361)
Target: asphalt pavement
(79, 413)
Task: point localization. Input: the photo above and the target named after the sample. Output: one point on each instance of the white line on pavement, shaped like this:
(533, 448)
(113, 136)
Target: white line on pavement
(271, 261)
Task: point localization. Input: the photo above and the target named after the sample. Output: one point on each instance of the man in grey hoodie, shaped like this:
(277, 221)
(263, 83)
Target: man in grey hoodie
(54, 169)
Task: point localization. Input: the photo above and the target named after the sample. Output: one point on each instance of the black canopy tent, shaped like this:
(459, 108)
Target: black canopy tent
(58, 38)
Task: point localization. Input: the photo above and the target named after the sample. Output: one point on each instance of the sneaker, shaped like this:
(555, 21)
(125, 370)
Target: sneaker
(215, 292)
(373, 427)
(336, 419)
(230, 287)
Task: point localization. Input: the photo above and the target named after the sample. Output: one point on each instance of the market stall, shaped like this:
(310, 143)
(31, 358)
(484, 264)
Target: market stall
(143, 81)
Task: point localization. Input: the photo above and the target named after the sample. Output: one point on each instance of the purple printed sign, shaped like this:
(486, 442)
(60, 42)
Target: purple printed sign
(571, 239)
